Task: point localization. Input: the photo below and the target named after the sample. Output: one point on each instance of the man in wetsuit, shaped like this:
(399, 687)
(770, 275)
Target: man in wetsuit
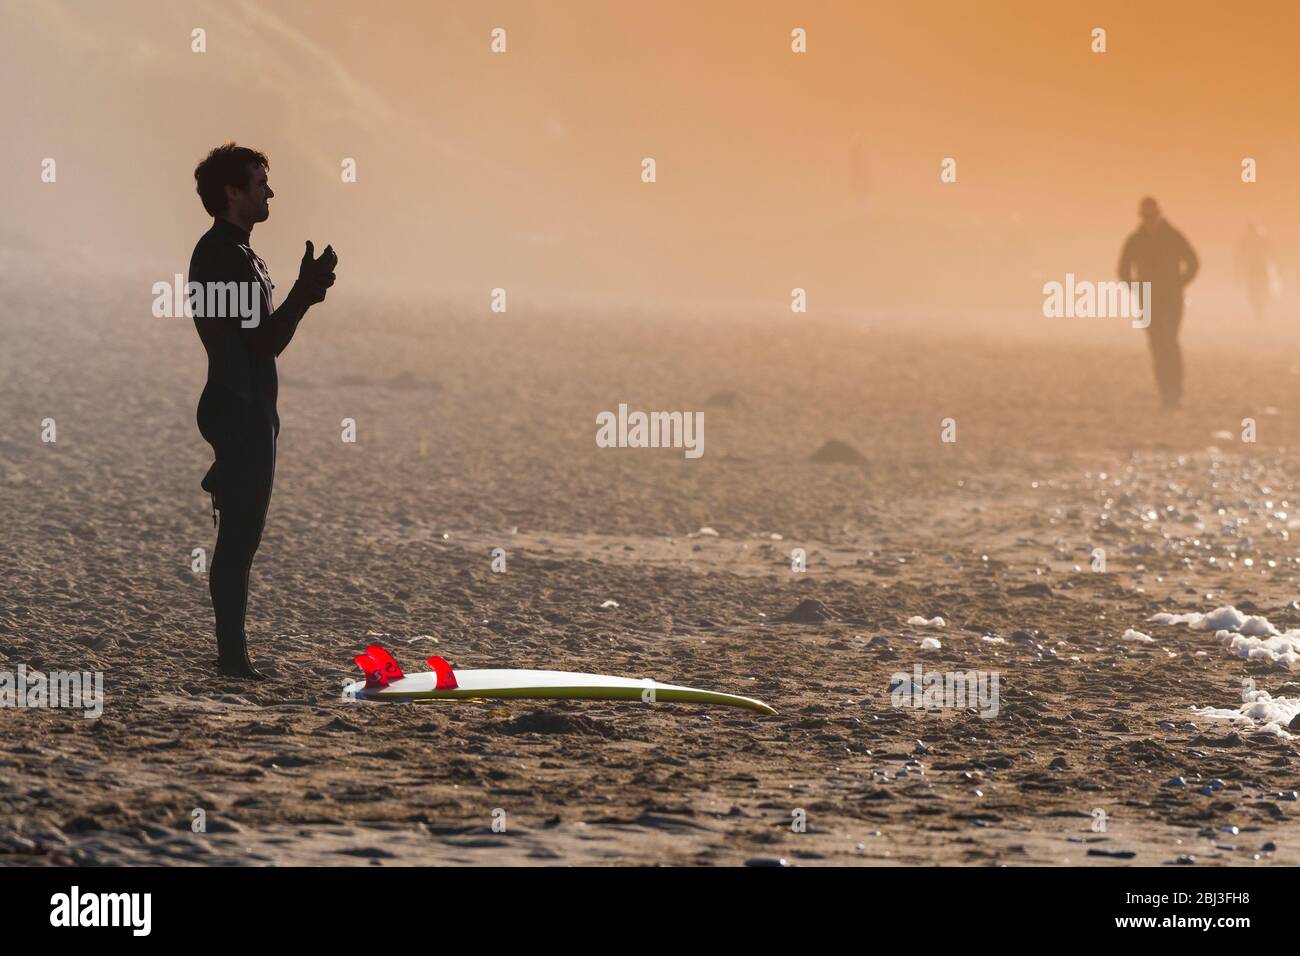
(236, 413)
(1158, 253)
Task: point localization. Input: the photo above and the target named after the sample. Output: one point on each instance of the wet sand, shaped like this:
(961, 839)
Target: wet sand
(477, 432)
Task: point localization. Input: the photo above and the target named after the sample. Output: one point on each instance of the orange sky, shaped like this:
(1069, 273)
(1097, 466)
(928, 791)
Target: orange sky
(775, 170)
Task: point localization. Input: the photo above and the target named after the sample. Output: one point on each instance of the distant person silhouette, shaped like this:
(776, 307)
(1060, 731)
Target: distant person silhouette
(1255, 268)
(1158, 253)
(237, 414)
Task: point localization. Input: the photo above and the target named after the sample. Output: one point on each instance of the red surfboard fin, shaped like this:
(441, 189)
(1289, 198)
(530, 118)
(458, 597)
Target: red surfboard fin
(373, 670)
(385, 660)
(446, 678)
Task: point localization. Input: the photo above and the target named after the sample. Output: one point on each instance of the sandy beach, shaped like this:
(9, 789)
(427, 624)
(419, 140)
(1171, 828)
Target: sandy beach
(476, 432)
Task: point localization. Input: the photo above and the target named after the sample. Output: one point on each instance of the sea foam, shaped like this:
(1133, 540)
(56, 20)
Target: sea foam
(1249, 637)
(1260, 711)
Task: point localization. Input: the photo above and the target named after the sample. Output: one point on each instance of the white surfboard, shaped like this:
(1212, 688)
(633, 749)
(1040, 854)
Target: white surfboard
(446, 684)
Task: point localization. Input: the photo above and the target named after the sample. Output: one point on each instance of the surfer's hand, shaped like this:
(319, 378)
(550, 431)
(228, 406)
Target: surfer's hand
(315, 276)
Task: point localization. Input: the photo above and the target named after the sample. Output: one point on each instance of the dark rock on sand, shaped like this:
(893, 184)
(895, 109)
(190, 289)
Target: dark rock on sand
(810, 612)
(836, 452)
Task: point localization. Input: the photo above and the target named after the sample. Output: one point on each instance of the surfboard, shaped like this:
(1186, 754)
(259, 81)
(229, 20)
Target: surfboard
(385, 681)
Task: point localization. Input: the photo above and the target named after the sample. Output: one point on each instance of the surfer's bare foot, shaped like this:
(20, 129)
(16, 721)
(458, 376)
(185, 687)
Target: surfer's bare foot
(239, 666)
(232, 658)
(240, 669)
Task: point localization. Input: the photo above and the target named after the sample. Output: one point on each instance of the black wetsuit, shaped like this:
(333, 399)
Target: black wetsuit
(1164, 258)
(237, 417)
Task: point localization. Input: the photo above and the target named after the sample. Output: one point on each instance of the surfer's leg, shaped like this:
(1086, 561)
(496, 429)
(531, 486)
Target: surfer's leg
(244, 445)
(259, 476)
(220, 422)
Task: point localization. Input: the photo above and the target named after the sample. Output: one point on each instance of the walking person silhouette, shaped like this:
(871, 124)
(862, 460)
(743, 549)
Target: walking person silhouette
(1158, 253)
(237, 410)
(1255, 268)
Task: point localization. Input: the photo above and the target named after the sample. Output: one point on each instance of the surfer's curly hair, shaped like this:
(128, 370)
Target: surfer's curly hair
(227, 165)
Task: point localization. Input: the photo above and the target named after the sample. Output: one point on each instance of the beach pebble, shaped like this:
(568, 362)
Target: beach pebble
(810, 612)
(766, 861)
(1229, 829)
(1268, 847)
(836, 452)
(1177, 782)
(920, 748)
(917, 621)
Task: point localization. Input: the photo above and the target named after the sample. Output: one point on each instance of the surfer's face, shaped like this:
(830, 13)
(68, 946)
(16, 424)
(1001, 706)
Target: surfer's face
(252, 203)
